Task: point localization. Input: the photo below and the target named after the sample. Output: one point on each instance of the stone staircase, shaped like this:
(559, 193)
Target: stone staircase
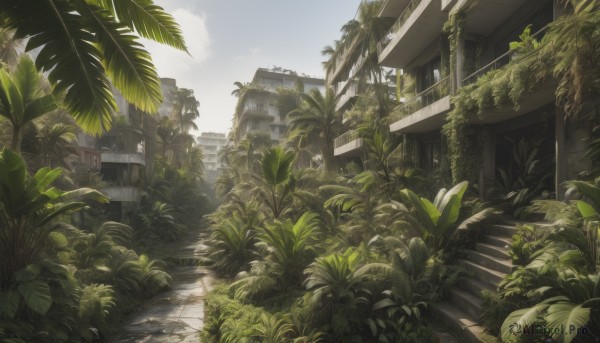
(487, 264)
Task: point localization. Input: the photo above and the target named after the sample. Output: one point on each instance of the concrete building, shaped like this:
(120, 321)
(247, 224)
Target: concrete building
(417, 46)
(440, 68)
(123, 158)
(168, 87)
(212, 143)
(259, 113)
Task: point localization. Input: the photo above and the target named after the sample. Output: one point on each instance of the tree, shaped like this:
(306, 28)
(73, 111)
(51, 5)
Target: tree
(277, 182)
(318, 120)
(22, 99)
(187, 109)
(84, 44)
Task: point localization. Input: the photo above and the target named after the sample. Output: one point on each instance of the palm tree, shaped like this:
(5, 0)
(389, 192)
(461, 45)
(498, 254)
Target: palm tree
(55, 143)
(187, 109)
(319, 121)
(167, 132)
(84, 44)
(277, 181)
(22, 99)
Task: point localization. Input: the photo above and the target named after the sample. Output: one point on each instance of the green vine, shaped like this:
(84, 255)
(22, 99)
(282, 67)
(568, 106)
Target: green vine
(454, 30)
(498, 88)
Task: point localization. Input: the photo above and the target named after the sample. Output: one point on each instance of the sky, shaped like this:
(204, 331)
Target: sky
(228, 40)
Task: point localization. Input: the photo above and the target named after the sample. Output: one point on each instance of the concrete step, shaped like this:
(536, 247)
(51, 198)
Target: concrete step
(492, 250)
(474, 286)
(459, 321)
(498, 241)
(487, 275)
(467, 302)
(504, 230)
(500, 264)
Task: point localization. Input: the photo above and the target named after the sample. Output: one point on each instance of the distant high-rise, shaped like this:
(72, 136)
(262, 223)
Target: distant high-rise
(212, 143)
(258, 112)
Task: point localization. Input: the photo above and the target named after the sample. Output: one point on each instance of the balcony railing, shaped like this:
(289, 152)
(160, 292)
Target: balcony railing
(423, 99)
(346, 138)
(498, 63)
(398, 25)
(351, 92)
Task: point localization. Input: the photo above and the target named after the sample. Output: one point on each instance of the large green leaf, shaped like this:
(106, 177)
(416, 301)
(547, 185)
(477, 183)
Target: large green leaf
(149, 20)
(26, 78)
(586, 210)
(515, 322)
(9, 303)
(421, 209)
(276, 165)
(458, 190)
(567, 316)
(476, 218)
(588, 190)
(37, 296)
(449, 214)
(127, 64)
(13, 174)
(69, 53)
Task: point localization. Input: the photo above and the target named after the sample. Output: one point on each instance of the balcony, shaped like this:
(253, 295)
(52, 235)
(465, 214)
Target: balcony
(123, 193)
(417, 27)
(348, 144)
(108, 156)
(486, 16)
(425, 112)
(392, 8)
(351, 92)
(499, 62)
(340, 63)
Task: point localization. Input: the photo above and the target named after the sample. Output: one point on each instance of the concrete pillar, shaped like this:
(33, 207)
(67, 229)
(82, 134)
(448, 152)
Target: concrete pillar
(561, 166)
(487, 172)
(460, 63)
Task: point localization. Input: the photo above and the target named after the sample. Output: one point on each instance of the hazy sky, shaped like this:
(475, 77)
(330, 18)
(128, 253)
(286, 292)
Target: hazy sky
(230, 39)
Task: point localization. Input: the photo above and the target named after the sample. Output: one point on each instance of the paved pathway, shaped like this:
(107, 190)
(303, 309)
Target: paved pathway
(176, 315)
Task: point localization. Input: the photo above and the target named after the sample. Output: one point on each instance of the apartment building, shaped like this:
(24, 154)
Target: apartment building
(212, 143)
(349, 78)
(258, 111)
(168, 87)
(419, 49)
(123, 158)
(420, 46)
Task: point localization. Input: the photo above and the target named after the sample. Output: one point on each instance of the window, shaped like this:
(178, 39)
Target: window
(430, 73)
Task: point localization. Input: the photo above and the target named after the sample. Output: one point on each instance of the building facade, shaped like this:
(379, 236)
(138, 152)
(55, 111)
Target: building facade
(258, 111)
(451, 53)
(419, 47)
(212, 143)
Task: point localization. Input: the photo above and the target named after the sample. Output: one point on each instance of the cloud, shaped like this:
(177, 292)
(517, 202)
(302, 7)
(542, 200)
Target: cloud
(171, 62)
(252, 52)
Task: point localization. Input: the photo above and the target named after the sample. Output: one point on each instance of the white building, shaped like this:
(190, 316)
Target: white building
(259, 113)
(212, 143)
